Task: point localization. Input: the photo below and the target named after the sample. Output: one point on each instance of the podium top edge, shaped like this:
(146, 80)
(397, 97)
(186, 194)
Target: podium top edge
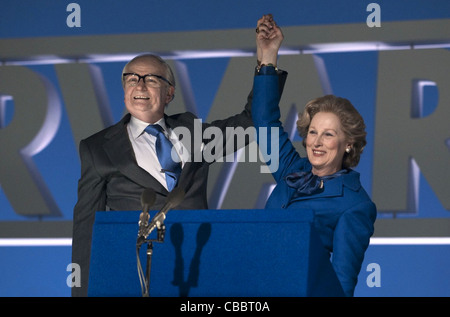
(212, 216)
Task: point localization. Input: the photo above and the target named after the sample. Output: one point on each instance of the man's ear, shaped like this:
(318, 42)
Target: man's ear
(170, 94)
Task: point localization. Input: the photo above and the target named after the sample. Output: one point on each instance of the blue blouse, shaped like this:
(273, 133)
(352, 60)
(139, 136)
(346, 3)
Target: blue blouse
(344, 213)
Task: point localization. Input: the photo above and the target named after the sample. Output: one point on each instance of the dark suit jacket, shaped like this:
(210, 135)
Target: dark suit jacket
(112, 180)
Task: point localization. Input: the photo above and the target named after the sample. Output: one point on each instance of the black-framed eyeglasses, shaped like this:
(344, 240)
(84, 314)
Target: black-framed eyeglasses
(151, 80)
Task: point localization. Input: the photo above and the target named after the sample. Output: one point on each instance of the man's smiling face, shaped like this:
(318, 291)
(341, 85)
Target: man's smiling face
(143, 101)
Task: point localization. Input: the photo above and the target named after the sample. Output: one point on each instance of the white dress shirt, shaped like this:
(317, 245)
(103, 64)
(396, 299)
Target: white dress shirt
(144, 147)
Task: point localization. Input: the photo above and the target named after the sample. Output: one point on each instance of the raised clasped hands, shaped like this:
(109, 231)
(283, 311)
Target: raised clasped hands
(268, 40)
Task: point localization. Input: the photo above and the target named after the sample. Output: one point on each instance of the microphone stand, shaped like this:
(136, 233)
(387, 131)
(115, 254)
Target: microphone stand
(161, 232)
(144, 279)
(173, 199)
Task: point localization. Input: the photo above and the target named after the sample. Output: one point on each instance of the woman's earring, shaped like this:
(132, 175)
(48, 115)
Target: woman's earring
(347, 150)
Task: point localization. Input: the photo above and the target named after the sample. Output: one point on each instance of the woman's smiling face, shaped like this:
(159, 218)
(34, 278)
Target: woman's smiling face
(325, 144)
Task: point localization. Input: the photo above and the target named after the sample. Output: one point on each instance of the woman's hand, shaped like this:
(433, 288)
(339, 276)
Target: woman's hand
(268, 40)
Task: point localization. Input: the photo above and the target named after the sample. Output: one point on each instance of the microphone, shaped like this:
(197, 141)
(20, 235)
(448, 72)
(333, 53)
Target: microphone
(148, 198)
(173, 199)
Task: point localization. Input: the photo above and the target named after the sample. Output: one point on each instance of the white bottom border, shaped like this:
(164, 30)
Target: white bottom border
(46, 242)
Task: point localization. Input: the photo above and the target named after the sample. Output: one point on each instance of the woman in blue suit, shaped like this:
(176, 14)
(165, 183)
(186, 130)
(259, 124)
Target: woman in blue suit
(334, 136)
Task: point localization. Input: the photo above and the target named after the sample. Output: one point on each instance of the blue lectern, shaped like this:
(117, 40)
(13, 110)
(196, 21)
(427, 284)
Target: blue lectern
(214, 253)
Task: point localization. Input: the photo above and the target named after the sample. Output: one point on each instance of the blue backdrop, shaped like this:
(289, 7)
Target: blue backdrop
(420, 268)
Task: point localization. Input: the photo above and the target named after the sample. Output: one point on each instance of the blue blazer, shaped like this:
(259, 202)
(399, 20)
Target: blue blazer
(344, 213)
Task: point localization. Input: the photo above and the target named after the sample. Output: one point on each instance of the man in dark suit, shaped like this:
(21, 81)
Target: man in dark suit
(119, 162)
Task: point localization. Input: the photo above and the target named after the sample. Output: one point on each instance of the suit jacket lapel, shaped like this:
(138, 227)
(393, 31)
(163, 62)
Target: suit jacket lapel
(120, 152)
(193, 141)
(190, 143)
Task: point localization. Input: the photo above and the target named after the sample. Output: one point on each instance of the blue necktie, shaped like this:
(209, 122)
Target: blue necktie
(164, 152)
